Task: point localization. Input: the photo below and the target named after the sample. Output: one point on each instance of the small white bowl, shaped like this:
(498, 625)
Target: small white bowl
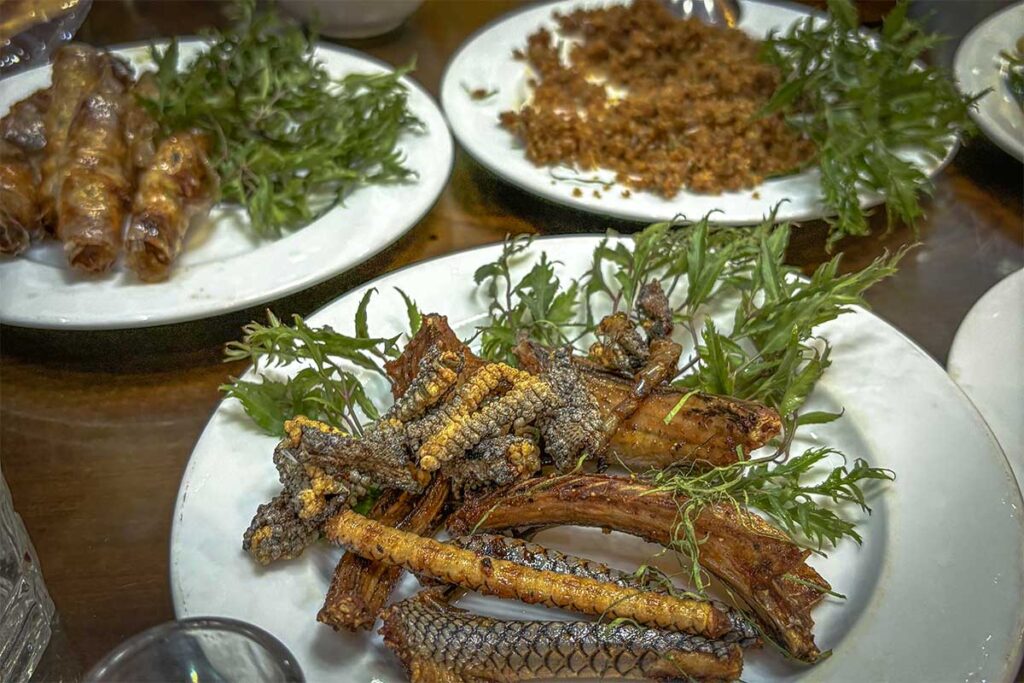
(352, 18)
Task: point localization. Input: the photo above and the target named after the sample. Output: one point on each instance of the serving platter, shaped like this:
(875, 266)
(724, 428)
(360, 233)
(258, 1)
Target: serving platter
(987, 361)
(486, 61)
(977, 66)
(933, 593)
(223, 267)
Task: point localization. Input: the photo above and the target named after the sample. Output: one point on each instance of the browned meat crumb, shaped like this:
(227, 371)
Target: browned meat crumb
(626, 194)
(597, 195)
(688, 120)
(577, 192)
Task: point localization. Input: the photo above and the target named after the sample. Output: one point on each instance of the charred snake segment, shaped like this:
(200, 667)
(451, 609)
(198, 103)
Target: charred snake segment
(470, 420)
(760, 564)
(574, 429)
(466, 569)
(438, 642)
(527, 554)
(438, 373)
(494, 462)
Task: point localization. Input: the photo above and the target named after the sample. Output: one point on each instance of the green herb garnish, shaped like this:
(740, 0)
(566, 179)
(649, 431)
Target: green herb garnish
(865, 100)
(770, 353)
(1013, 67)
(290, 141)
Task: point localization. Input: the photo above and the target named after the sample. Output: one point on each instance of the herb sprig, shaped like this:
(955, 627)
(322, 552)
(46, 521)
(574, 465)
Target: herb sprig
(771, 353)
(864, 100)
(290, 141)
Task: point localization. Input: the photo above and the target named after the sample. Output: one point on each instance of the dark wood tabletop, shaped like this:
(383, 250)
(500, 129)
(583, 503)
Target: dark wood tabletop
(96, 429)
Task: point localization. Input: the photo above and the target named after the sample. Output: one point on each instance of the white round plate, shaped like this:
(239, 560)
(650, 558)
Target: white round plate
(934, 593)
(223, 267)
(987, 361)
(485, 61)
(978, 66)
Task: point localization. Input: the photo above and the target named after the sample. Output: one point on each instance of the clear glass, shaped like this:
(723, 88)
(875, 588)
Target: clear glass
(198, 650)
(26, 610)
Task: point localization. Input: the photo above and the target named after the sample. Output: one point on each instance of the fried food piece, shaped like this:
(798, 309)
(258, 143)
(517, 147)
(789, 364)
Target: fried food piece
(19, 200)
(493, 462)
(25, 124)
(654, 310)
(434, 335)
(758, 563)
(323, 470)
(97, 183)
(360, 587)
(527, 554)
(141, 129)
(177, 187)
(502, 579)
(438, 642)
(76, 69)
(467, 420)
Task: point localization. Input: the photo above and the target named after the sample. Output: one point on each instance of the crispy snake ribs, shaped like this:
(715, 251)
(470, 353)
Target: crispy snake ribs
(467, 569)
(757, 562)
(437, 642)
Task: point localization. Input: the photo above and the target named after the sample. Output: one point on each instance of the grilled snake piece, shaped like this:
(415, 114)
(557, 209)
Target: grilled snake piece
(502, 579)
(175, 189)
(536, 556)
(360, 587)
(96, 187)
(437, 642)
(759, 563)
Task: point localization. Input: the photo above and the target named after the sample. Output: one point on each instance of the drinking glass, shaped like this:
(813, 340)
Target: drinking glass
(199, 649)
(26, 610)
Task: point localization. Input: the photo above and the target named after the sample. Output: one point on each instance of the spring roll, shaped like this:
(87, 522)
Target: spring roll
(178, 187)
(76, 69)
(19, 200)
(96, 188)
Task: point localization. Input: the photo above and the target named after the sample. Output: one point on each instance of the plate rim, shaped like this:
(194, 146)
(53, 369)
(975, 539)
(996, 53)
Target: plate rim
(1014, 656)
(131, 322)
(1003, 140)
(868, 201)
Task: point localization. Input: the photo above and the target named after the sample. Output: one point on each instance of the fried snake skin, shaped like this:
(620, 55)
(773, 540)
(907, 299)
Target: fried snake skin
(528, 554)
(502, 579)
(437, 642)
(757, 562)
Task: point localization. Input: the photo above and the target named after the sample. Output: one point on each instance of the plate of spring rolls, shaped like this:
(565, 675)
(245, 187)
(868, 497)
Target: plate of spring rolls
(111, 217)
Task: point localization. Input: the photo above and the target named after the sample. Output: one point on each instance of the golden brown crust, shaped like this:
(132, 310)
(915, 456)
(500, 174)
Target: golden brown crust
(76, 69)
(96, 186)
(753, 558)
(19, 200)
(502, 579)
(177, 187)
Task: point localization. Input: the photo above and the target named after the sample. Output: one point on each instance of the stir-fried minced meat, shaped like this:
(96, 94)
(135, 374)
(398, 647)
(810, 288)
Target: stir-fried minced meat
(689, 118)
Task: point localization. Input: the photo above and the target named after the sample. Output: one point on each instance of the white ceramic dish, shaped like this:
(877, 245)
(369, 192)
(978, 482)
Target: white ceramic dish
(987, 361)
(934, 593)
(485, 61)
(223, 268)
(977, 66)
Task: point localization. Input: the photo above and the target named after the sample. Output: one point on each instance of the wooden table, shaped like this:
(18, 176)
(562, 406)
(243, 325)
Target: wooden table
(97, 429)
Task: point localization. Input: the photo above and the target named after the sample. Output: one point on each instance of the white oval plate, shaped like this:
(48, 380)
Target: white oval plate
(977, 66)
(987, 361)
(485, 61)
(223, 267)
(934, 594)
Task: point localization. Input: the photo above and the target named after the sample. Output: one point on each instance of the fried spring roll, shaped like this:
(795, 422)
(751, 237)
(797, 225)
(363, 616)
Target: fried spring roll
(140, 129)
(76, 69)
(177, 187)
(437, 642)
(19, 200)
(96, 188)
(25, 124)
(508, 580)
